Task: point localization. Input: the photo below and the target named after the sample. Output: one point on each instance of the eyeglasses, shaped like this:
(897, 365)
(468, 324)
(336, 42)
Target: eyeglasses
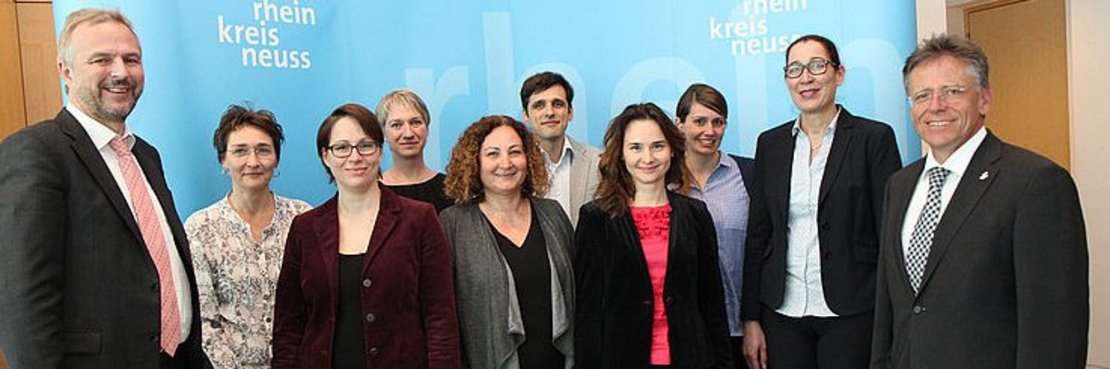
(262, 151)
(815, 67)
(364, 148)
(947, 94)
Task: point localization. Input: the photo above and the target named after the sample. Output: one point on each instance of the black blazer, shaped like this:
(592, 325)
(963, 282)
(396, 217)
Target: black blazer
(747, 170)
(79, 287)
(1005, 284)
(863, 155)
(615, 301)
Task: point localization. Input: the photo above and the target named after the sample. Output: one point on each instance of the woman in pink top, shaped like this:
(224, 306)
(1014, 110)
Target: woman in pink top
(649, 289)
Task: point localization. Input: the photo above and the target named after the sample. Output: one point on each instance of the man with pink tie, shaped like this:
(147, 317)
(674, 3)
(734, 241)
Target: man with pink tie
(94, 263)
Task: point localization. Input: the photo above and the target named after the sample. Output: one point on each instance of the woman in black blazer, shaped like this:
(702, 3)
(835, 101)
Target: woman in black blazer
(649, 289)
(809, 268)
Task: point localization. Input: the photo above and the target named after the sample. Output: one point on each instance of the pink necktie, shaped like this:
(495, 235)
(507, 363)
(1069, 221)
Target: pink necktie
(155, 243)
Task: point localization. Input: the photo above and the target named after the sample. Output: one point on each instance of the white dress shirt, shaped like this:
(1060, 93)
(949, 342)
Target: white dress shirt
(559, 189)
(957, 164)
(101, 135)
(805, 293)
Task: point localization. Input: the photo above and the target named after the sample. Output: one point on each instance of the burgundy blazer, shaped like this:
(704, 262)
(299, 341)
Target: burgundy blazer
(408, 290)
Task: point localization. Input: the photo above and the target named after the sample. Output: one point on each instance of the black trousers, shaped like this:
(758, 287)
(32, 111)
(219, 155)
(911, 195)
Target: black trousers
(738, 360)
(809, 342)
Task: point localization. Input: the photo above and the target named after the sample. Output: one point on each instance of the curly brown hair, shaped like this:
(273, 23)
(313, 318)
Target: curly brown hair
(464, 181)
(616, 190)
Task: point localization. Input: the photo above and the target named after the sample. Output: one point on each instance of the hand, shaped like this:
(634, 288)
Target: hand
(755, 345)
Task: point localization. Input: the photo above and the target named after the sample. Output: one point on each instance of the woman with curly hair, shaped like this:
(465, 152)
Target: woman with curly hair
(513, 275)
(649, 287)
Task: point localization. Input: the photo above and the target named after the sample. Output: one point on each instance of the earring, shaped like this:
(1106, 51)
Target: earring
(277, 173)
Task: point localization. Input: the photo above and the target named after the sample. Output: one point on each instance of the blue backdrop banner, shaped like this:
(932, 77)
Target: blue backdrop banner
(302, 58)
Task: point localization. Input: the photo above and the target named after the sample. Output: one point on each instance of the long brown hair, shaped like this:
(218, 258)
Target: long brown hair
(615, 192)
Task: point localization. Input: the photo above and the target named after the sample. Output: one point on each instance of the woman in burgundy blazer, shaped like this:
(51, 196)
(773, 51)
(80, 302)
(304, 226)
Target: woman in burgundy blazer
(366, 281)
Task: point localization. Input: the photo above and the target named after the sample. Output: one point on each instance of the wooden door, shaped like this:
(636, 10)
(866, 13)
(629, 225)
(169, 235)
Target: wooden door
(1026, 42)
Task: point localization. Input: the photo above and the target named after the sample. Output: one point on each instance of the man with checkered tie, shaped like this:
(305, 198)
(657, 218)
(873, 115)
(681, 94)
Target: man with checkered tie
(983, 252)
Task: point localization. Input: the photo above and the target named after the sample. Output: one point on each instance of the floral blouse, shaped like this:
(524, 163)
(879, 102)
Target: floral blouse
(236, 279)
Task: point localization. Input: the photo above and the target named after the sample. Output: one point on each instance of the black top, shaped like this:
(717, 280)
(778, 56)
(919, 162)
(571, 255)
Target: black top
(430, 191)
(532, 275)
(349, 350)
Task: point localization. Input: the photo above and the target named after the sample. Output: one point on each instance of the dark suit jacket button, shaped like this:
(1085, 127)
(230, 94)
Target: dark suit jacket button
(367, 283)
(825, 225)
(670, 301)
(154, 337)
(370, 318)
(373, 351)
(918, 309)
(154, 285)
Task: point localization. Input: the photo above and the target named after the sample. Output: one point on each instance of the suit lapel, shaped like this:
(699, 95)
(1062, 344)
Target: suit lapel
(148, 160)
(971, 188)
(632, 241)
(901, 192)
(388, 214)
(326, 226)
(842, 139)
(94, 162)
(777, 187)
(578, 174)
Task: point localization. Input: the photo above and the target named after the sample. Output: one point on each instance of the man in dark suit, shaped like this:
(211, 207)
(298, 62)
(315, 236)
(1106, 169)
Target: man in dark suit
(983, 258)
(94, 264)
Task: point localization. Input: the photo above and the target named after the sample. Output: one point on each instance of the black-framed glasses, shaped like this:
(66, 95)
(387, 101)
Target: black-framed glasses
(815, 67)
(364, 148)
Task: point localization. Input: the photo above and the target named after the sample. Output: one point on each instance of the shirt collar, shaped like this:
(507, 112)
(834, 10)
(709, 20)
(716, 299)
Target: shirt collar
(99, 133)
(568, 152)
(961, 158)
(724, 160)
(797, 127)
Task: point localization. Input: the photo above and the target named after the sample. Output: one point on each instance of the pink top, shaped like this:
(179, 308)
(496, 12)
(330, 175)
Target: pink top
(654, 227)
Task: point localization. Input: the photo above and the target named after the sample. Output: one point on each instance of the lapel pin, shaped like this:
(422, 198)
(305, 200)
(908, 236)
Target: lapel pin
(984, 176)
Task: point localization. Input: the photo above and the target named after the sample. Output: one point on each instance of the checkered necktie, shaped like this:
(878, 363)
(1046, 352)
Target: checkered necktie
(151, 229)
(922, 237)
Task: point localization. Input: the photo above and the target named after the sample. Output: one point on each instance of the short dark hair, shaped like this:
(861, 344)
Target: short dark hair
(702, 94)
(616, 190)
(949, 45)
(464, 181)
(360, 114)
(830, 47)
(236, 117)
(542, 81)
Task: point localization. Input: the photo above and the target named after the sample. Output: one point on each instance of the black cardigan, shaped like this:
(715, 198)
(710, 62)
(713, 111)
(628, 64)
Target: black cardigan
(613, 318)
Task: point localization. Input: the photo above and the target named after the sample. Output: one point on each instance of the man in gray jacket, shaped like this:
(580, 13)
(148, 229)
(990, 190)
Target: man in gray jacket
(546, 98)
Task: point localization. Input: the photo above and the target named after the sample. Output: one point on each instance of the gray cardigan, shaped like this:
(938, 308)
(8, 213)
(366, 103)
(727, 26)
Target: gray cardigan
(489, 314)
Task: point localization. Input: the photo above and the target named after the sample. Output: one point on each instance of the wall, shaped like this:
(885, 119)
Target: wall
(1088, 49)
(27, 64)
(12, 112)
(1027, 40)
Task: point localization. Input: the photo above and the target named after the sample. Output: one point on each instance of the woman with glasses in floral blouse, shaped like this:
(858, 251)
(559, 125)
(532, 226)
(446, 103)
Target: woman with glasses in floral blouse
(366, 280)
(237, 242)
